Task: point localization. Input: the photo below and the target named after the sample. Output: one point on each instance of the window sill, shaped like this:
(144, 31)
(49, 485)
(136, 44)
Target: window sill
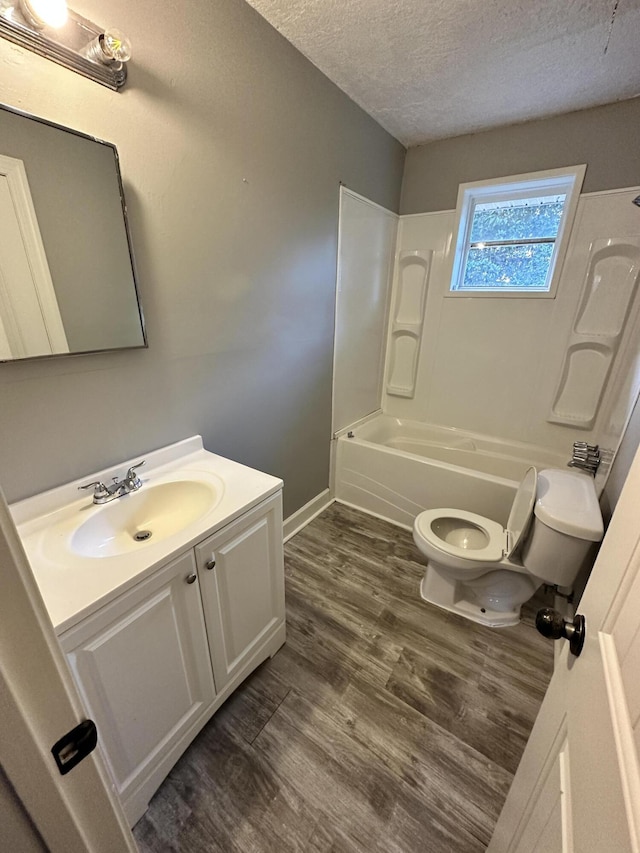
(500, 294)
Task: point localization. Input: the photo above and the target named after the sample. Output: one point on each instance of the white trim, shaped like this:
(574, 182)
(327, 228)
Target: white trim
(303, 516)
(566, 804)
(568, 180)
(368, 201)
(14, 171)
(555, 750)
(428, 213)
(623, 735)
(615, 191)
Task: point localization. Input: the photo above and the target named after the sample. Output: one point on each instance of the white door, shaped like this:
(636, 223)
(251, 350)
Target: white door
(30, 321)
(242, 583)
(74, 813)
(578, 785)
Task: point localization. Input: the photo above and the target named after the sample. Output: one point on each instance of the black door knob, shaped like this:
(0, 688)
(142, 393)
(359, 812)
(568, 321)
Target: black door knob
(552, 624)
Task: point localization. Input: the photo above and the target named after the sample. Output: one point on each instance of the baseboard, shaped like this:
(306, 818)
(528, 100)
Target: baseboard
(301, 517)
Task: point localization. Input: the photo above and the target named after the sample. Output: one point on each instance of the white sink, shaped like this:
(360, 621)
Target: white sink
(144, 517)
(83, 555)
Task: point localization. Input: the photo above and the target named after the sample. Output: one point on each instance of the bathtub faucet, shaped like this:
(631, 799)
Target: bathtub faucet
(585, 456)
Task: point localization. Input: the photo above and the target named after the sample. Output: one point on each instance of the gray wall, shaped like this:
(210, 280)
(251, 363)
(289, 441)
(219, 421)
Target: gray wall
(17, 832)
(232, 146)
(604, 137)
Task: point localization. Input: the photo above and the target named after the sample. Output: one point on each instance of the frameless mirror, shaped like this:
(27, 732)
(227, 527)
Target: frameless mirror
(67, 279)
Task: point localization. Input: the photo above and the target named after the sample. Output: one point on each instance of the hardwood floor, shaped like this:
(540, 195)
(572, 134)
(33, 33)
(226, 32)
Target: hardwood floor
(384, 724)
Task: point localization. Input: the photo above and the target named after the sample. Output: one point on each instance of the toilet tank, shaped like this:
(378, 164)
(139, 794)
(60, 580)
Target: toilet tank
(566, 523)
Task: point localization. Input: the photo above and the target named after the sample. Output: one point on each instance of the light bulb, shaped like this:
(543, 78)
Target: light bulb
(109, 47)
(40, 13)
(116, 46)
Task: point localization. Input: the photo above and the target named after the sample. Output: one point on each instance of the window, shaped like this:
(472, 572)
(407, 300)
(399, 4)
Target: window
(512, 233)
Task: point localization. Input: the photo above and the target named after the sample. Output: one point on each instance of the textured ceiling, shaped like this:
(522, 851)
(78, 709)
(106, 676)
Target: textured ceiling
(428, 69)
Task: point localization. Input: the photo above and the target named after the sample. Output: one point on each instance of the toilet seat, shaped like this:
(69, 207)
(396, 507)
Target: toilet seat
(492, 552)
(500, 542)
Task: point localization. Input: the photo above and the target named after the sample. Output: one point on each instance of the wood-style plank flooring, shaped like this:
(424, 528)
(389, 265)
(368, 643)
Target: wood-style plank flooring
(383, 724)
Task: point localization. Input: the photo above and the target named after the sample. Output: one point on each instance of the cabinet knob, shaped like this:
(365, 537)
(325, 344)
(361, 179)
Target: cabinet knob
(211, 564)
(191, 578)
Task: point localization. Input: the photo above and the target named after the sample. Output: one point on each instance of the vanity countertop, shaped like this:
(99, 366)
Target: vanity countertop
(74, 585)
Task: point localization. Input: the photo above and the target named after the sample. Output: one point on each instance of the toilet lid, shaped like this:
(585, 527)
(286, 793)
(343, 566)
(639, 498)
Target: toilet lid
(521, 511)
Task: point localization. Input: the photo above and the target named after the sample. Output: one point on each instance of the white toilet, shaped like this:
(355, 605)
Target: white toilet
(480, 570)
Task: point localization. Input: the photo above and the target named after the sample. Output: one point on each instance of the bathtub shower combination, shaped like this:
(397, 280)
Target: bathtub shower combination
(395, 469)
(410, 473)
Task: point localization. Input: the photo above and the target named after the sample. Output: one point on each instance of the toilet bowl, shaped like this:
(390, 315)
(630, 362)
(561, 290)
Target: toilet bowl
(484, 571)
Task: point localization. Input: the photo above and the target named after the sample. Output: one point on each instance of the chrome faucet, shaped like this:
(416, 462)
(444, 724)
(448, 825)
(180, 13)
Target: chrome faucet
(585, 456)
(103, 494)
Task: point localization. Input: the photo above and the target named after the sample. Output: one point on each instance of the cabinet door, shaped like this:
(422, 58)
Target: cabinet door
(142, 666)
(242, 580)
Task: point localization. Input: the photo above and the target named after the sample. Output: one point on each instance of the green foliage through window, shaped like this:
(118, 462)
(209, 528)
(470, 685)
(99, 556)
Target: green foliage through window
(526, 218)
(508, 266)
(511, 244)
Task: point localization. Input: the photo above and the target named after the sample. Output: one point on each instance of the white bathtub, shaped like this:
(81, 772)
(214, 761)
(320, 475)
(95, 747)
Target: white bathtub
(395, 469)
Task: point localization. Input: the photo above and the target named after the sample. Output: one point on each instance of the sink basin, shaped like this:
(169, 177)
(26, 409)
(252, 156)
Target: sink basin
(84, 555)
(147, 516)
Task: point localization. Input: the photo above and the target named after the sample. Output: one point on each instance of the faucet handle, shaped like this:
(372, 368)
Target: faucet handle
(131, 473)
(585, 456)
(99, 490)
(132, 478)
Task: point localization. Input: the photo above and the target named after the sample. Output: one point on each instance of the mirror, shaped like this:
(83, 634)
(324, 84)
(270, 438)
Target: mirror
(67, 279)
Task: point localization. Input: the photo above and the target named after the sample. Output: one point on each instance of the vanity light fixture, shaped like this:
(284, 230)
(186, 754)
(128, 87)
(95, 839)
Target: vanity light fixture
(48, 28)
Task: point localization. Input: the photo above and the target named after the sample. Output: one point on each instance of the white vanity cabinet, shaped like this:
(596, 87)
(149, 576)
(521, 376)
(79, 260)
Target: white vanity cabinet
(142, 666)
(242, 585)
(154, 664)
